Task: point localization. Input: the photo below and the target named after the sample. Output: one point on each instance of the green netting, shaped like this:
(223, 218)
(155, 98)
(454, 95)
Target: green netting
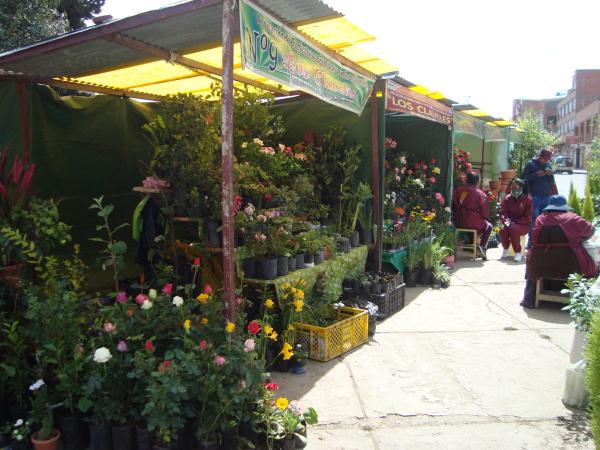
(83, 147)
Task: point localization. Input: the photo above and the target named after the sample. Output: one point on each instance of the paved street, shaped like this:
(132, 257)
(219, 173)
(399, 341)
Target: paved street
(563, 181)
(461, 368)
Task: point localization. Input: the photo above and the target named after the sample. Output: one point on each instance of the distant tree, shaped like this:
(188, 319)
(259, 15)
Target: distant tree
(535, 137)
(77, 11)
(24, 22)
(588, 204)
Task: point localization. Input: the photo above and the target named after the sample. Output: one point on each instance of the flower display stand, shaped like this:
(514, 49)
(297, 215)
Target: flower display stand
(325, 343)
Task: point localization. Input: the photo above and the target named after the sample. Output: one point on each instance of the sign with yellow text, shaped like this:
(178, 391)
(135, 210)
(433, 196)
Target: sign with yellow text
(278, 52)
(401, 99)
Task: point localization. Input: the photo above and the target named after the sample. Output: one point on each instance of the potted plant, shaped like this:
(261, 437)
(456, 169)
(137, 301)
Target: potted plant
(299, 360)
(350, 204)
(46, 437)
(441, 276)
(365, 220)
(411, 275)
(291, 422)
(19, 433)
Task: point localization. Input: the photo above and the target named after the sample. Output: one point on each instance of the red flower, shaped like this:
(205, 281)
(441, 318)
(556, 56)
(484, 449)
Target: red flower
(164, 365)
(141, 298)
(130, 312)
(432, 160)
(237, 203)
(168, 289)
(149, 346)
(254, 327)
(197, 261)
(202, 344)
(208, 289)
(268, 197)
(271, 386)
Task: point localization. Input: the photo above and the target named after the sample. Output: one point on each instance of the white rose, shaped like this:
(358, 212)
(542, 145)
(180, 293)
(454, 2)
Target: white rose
(18, 423)
(244, 144)
(19, 437)
(147, 304)
(152, 293)
(177, 301)
(35, 386)
(102, 355)
(447, 209)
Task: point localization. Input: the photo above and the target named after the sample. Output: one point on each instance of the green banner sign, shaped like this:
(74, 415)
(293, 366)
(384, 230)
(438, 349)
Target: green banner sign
(275, 51)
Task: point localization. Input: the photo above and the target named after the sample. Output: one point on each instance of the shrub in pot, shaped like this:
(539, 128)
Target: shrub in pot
(46, 437)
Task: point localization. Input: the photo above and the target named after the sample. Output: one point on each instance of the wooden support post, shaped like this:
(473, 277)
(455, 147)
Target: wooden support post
(227, 160)
(375, 176)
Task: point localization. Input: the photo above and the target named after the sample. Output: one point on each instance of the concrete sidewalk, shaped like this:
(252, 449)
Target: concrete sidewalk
(460, 368)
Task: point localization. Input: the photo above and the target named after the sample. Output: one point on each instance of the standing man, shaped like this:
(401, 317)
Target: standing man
(470, 209)
(515, 214)
(540, 183)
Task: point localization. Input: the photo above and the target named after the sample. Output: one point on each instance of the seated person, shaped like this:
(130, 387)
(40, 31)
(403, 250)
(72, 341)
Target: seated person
(470, 209)
(515, 214)
(574, 231)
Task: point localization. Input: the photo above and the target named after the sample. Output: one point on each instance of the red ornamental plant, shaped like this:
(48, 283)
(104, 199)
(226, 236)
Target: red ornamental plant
(15, 183)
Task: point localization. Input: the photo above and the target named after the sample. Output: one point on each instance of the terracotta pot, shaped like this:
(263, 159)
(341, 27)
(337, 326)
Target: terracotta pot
(508, 174)
(494, 185)
(49, 444)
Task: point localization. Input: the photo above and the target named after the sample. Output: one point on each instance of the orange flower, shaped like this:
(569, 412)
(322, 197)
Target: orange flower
(130, 312)
(400, 211)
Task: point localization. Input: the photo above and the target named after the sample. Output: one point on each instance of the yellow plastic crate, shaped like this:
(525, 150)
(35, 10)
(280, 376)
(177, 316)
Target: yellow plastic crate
(326, 343)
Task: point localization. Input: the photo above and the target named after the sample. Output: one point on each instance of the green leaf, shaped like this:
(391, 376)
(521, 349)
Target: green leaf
(119, 247)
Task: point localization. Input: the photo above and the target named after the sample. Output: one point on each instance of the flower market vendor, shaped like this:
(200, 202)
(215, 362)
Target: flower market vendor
(515, 215)
(470, 209)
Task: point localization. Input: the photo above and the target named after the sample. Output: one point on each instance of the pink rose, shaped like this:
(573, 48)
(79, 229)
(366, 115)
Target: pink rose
(208, 289)
(141, 298)
(249, 345)
(168, 289)
(438, 195)
(109, 327)
(122, 346)
(432, 179)
(121, 297)
(219, 360)
(442, 200)
(202, 345)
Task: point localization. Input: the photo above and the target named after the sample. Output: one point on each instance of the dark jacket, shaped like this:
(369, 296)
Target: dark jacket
(537, 186)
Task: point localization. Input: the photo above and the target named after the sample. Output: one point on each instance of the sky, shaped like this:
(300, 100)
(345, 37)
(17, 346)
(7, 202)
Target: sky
(474, 51)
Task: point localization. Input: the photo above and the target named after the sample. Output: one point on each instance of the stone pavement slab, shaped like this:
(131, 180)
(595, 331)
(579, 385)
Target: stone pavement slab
(460, 368)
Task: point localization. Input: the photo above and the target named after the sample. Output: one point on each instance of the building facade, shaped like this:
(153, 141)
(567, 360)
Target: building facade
(545, 108)
(574, 112)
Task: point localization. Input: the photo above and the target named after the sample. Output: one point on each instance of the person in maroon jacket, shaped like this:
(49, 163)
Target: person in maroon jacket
(470, 209)
(515, 214)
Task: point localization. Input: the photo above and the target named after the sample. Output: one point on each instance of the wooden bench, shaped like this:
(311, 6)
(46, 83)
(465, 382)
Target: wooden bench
(549, 295)
(473, 246)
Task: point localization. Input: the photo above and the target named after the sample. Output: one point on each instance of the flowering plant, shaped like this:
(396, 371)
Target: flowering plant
(461, 165)
(41, 410)
(21, 430)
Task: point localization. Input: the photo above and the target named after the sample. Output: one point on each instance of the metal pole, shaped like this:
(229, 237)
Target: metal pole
(375, 175)
(226, 160)
(482, 157)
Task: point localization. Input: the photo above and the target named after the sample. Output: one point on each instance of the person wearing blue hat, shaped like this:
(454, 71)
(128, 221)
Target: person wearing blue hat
(557, 257)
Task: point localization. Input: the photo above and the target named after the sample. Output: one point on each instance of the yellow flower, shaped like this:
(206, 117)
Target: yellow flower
(301, 282)
(204, 321)
(282, 403)
(269, 303)
(268, 329)
(299, 294)
(286, 285)
(202, 298)
(298, 304)
(187, 325)
(436, 170)
(230, 327)
(286, 351)
(273, 336)
(291, 327)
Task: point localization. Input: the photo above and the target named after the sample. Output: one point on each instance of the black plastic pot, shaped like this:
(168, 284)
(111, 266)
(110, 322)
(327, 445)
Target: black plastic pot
(267, 268)
(343, 244)
(143, 439)
(445, 284)
(372, 324)
(123, 437)
(411, 277)
(319, 257)
(213, 237)
(100, 437)
(282, 266)
(437, 284)
(426, 277)
(71, 429)
(286, 444)
(300, 261)
(366, 236)
(291, 264)
(355, 239)
(249, 267)
(309, 258)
